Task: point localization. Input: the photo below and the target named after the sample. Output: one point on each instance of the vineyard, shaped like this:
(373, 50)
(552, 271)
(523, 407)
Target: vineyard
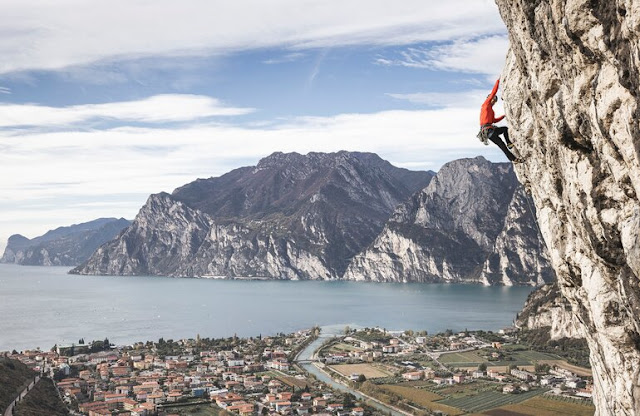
(546, 406)
(488, 400)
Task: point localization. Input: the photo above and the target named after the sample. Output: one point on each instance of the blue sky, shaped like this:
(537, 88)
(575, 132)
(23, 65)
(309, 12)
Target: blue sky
(103, 103)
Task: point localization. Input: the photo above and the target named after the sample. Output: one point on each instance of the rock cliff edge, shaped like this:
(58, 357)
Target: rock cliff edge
(571, 92)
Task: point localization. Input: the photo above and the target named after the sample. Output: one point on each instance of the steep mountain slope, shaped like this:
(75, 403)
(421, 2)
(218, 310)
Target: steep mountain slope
(291, 216)
(546, 308)
(470, 224)
(572, 96)
(64, 246)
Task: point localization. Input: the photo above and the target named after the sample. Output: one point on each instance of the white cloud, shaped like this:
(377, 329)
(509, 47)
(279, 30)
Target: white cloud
(485, 55)
(463, 99)
(5, 90)
(61, 178)
(55, 35)
(159, 108)
(289, 57)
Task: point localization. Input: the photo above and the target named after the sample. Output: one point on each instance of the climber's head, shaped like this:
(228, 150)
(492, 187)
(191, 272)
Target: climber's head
(494, 99)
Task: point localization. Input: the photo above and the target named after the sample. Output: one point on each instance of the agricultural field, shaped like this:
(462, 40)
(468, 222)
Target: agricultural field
(342, 347)
(532, 356)
(488, 400)
(289, 381)
(196, 410)
(543, 406)
(294, 382)
(468, 358)
(465, 389)
(368, 370)
(500, 368)
(581, 372)
(423, 398)
(471, 359)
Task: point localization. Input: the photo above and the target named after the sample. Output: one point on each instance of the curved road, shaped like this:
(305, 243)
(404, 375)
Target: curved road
(9, 411)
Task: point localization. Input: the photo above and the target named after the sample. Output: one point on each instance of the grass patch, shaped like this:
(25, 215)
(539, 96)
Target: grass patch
(368, 370)
(196, 410)
(14, 377)
(289, 381)
(342, 347)
(43, 399)
(294, 382)
(462, 357)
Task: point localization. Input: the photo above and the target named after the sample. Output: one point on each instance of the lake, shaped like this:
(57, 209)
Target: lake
(43, 306)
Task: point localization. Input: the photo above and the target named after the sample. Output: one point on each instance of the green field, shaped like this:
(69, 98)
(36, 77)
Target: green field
(342, 347)
(475, 358)
(465, 389)
(488, 400)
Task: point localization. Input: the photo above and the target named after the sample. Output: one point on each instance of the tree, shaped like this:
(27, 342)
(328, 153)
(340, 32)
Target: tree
(348, 400)
(361, 378)
(347, 330)
(482, 367)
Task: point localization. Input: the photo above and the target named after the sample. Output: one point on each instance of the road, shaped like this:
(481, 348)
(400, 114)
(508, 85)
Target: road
(9, 411)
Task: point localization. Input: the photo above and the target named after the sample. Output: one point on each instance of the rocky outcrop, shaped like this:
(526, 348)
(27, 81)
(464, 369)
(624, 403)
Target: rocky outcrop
(64, 246)
(572, 94)
(471, 224)
(518, 256)
(545, 308)
(290, 217)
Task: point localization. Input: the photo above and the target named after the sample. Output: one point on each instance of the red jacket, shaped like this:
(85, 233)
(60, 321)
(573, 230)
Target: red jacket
(487, 116)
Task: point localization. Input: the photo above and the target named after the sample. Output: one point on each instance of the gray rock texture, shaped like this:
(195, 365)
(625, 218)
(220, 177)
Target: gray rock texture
(572, 93)
(546, 308)
(290, 217)
(472, 223)
(64, 246)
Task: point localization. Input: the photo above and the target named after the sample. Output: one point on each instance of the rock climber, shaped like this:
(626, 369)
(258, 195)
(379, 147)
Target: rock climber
(488, 131)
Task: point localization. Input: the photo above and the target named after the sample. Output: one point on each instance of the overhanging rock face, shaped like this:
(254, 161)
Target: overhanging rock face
(571, 91)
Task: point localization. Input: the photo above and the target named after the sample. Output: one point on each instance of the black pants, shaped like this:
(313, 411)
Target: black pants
(494, 136)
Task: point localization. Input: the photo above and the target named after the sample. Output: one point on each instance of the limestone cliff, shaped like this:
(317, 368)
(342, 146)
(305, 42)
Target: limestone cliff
(290, 217)
(545, 308)
(64, 246)
(472, 223)
(572, 93)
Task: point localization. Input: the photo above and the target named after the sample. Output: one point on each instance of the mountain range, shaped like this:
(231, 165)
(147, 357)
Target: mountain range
(64, 246)
(344, 215)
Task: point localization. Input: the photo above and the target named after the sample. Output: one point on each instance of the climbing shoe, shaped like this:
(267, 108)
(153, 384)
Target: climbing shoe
(510, 146)
(518, 160)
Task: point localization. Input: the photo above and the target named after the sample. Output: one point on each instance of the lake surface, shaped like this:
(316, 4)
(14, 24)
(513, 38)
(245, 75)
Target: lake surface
(43, 306)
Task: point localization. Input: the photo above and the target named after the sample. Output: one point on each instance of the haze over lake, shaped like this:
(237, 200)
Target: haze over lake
(43, 306)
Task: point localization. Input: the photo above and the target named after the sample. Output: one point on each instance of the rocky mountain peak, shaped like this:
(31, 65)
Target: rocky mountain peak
(469, 224)
(291, 216)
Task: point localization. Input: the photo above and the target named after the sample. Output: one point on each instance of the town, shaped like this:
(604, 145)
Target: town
(378, 372)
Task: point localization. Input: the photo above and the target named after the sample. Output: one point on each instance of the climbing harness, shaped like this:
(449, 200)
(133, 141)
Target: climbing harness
(484, 133)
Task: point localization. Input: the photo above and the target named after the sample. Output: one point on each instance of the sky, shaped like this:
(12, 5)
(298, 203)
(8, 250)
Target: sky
(103, 103)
